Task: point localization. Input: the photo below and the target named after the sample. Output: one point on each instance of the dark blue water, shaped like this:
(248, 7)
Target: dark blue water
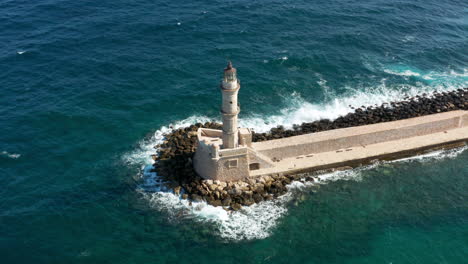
(88, 87)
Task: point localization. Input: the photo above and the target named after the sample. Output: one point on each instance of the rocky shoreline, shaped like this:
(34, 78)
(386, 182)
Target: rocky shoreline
(173, 160)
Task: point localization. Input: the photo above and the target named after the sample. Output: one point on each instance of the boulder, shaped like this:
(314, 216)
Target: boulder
(208, 182)
(227, 201)
(235, 191)
(257, 197)
(213, 187)
(215, 202)
(235, 206)
(177, 190)
(248, 201)
(259, 187)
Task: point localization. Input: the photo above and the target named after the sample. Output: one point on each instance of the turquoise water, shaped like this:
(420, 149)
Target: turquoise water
(89, 87)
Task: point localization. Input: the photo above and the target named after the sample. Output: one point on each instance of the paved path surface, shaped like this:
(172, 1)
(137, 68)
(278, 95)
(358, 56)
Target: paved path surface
(356, 155)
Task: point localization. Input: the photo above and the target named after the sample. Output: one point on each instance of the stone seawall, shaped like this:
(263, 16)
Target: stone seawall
(174, 158)
(412, 107)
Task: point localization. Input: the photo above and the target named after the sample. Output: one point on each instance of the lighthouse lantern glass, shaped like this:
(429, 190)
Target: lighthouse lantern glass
(230, 76)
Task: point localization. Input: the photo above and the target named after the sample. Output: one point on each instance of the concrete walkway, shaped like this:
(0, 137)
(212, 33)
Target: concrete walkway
(359, 154)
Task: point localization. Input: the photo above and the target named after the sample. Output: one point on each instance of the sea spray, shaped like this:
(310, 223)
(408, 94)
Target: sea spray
(10, 155)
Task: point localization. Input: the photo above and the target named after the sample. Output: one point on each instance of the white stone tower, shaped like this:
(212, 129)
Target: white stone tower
(230, 109)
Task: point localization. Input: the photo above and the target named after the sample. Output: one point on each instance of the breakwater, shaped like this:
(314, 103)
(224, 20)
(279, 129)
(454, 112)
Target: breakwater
(174, 158)
(420, 105)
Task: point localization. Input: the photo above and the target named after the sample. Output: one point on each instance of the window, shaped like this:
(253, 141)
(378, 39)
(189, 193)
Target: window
(254, 166)
(232, 163)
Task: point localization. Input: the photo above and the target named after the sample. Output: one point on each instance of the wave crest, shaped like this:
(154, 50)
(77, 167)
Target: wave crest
(10, 155)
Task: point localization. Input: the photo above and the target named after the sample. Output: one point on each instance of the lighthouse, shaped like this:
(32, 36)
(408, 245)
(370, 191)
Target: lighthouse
(230, 108)
(227, 154)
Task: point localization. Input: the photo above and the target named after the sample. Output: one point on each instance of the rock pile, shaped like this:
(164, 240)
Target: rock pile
(411, 107)
(173, 160)
(235, 194)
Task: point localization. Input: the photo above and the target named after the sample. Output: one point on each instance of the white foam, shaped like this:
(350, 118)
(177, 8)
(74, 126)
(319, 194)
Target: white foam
(464, 74)
(21, 52)
(450, 73)
(450, 77)
(142, 155)
(353, 174)
(435, 155)
(403, 73)
(10, 155)
(428, 77)
(299, 110)
(253, 222)
(408, 38)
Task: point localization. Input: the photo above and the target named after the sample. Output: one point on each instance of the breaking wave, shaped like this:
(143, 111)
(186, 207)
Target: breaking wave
(403, 73)
(146, 147)
(299, 110)
(259, 220)
(253, 222)
(450, 77)
(10, 155)
(435, 155)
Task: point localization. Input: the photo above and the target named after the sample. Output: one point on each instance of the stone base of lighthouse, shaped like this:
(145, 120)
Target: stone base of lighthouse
(213, 162)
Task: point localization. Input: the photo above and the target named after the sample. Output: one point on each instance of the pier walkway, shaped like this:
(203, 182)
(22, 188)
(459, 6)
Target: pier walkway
(355, 146)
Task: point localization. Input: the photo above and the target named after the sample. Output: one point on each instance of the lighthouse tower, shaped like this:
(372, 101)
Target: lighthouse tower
(227, 154)
(230, 109)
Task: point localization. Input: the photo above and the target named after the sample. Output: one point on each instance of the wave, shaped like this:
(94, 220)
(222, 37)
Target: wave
(142, 155)
(253, 222)
(450, 77)
(10, 155)
(259, 220)
(408, 38)
(434, 155)
(403, 73)
(299, 110)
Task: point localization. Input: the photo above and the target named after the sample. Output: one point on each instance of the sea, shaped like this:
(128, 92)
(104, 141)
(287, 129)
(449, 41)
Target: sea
(88, 88)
